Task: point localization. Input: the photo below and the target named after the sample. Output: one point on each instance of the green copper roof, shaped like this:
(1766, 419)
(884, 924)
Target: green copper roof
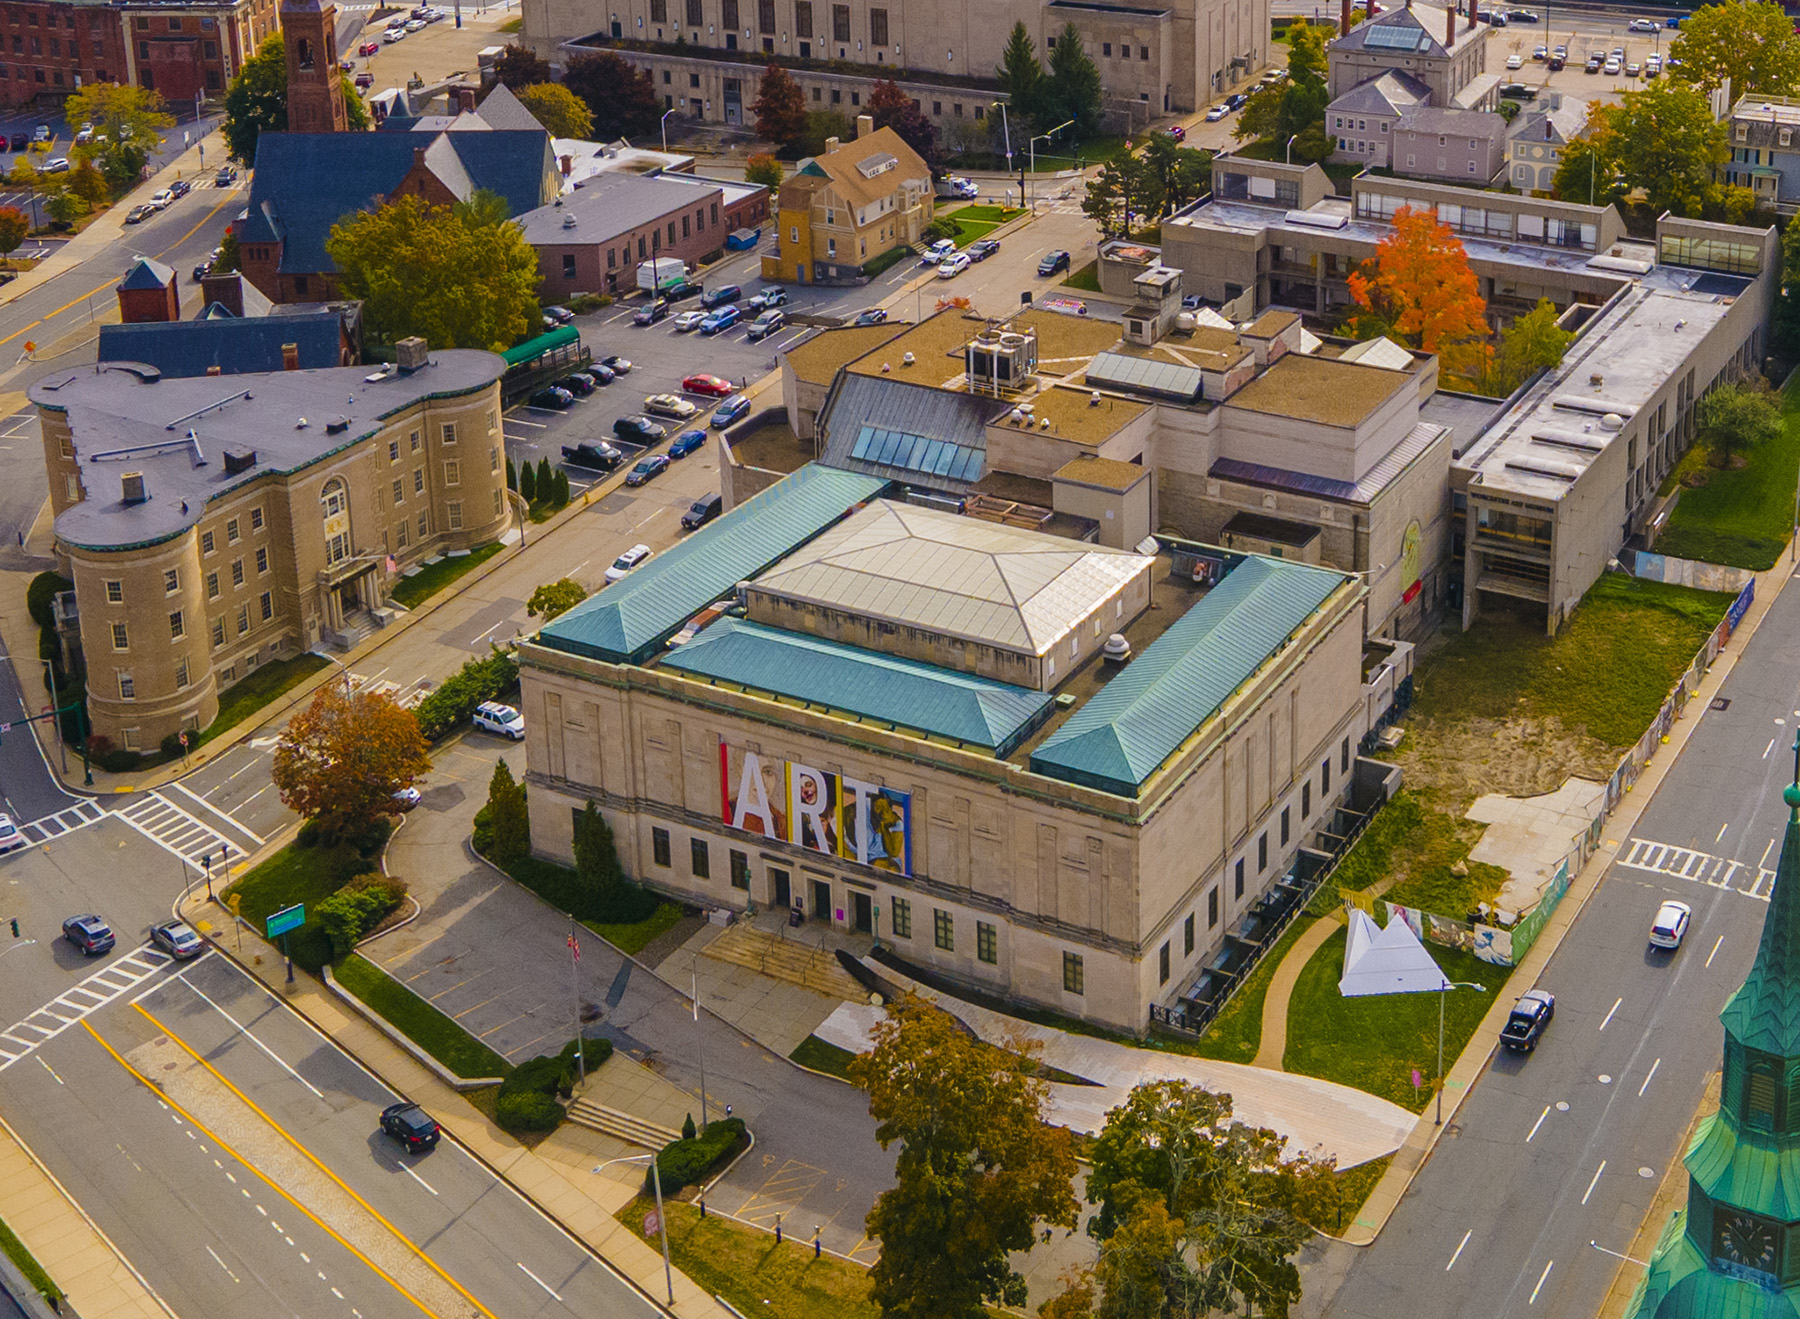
(1764, 1014)
(1745, 1169)
(1679, 1285)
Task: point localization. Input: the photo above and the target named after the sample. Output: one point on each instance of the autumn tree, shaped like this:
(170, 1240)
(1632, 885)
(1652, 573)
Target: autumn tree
(621, 98)
(978, 1168)
(764, 169)
(341, 760)
(1073, 88)
(131, 119)
(780, 109)
(559, 110)
(256, 101)
(507, 825)
(892, 108)
(1750, 42)
(458, 276)
(1020, 74)
(15, 225)
(555, 598)
(1418, 288)
(519, 66)
(1532, 343)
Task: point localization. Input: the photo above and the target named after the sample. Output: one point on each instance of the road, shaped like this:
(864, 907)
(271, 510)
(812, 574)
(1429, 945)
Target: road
(1564, 1147)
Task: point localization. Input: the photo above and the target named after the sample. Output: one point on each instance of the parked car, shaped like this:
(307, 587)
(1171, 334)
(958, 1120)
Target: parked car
(201, 271)
(1236, 100)
(1217, 113)
(647, 469)
(1633, 69)
(729, 411)
(181, 188)
(161, 199)
(669, 405)
(41, 133)
(552, 397)
(937, 252)
(1176, 131)
(597, 454)
(712, 386)
(1515, 61)
(561, 315)
(627, 561)
(599, 372)
(405, 799)
(138, 214)
(90, 934)
(772, 296)
(392, 35)
(651, 314)
(640, 430)
(177, 939)
(415, 25)
(702, 511)
(578, 383)
(685, 443)
(1540, 53)
(1555, 63)
(685, 289)
(619, 366)
(20, 141)
(1594, 64)
(717, 322)
(1053, 262)
(983, 248)
(689, 320)
(11, 840)
(1517, 91)
(1522, 15)
(369, 48)
(954, 265)
(84, 135)
(1613, 67)
(1671, 925)
(408, 1124)
(60, 165)
(364, 81)
(718, 297)
(873, 316)
(765, 325)
(493, 717)
(1525, 1024)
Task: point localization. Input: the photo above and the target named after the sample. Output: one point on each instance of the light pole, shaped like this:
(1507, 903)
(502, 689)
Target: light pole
(1444, 993)
(662, 1221)
(1290, 148)
(665, 128)
(1006, 134)
(699, 1044)
(1031, 147)
(56, 714)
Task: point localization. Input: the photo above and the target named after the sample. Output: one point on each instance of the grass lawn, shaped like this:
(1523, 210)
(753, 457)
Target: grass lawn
(1051, 160)
(416, 1019)
(757, 1276)
(242, 699)
(28, 1265)
(1741, 516)
(980, 213)
(1607, 671)
(822, 1056)
(299, 874)
(1236, 1033)
(632, 938)
(1420, 845)
(1374, 1043)
(1087, 279)
(413, 591)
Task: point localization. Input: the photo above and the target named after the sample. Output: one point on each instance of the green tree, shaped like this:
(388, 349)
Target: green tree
(1732, 418)
(562, 489)
(1750, 42)
(1073, 89)
(820, 126)
(546, 484)
(780, 109)
(622, 99)
(1180, 174)
(1295, 107)
(764, 169)
(1533, 342)
(892, 108)
(256, 101)
(509, 825)
(519, 66)
(88, 183)
(229, 257)
(15, 225)
(1786, 313)
(512, 474)
(130, 119)
(978, 1168)
(554, 598)
(528, 483)
(23, 174)
(1021, 76)
(446, 274)
(1126, 188)
(597, 857)
(1589, 171)
(559, 110)
(1661, 141)
(65, 208)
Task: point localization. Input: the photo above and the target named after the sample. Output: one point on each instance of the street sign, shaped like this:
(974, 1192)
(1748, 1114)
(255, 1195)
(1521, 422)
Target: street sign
(288, 918)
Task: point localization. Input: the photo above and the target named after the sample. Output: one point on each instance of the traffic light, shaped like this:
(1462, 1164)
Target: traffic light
(15, 925)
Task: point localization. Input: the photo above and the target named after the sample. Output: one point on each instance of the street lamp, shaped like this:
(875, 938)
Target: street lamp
(664, 124)
(1444, 993)
(1290, 148)
(1031, 147)
(662, 1221)
(1006, 133)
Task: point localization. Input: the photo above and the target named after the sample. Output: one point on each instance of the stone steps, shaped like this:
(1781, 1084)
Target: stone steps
(622, 1126)
(786, 959)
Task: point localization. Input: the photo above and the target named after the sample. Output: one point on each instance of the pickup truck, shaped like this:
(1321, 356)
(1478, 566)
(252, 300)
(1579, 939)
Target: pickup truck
(1529, 1017)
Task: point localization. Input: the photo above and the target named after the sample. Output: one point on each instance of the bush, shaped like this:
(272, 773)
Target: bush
(685, 1162)
(554, 1074)
(362, 904)
(886, 261)
(44, 588)
(942, 227)
(582, 303)
(119, 761)
(530, 1110)
(455, 700)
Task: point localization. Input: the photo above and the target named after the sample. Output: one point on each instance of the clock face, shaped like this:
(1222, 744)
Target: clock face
(1746, 1241)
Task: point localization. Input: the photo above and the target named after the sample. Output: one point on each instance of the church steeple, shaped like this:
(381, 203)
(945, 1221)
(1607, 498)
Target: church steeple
(315, 93)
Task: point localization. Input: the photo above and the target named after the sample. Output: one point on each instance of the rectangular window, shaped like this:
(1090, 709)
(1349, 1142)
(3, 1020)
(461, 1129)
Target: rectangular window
(1162, 965)
(262, 559)
(1106, 49)
(497, 503)
(237, 572)
(418, 480)
(115, 593)
(494, 459)
(699, 859)
(181, 674)
(765, 16)
(740, 870)
(1074, 978)
(424, 524)
(452, 473)
(943, 932)
(1306, 800)
(231, 532)
(840, 22)
(399, 492)
(1237, 879)
(694, 15)
(127, 688)
(268, 605)
(177, 629)
(449, 432)
(393, 451)
(1262, 853)
(256, 519)
(878, 27)
(902, 907)
(1284, 826)
(1187, 936)
(803, 18)
(1325, 777)
(171, 581)
(659, 846)
(659, 11)
(218, 632)
(987, 943)
(1212, 908)
(212, 586)
(455, 511)
(413, 441)
(400, 535)
(1344, 757)
(728, 14)
(243, 620)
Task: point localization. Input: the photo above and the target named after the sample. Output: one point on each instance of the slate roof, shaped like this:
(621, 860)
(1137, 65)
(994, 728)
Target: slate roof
(501, 109)
(864, 683)
(305, 182)
(1392, 93)
(1128, 729)
(147, 273)
(1452, 123)
(234, 344)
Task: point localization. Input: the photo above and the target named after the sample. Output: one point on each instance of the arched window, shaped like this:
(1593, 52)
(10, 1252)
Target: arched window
(334, 504)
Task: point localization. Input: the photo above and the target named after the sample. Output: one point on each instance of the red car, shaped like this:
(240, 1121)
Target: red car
(369, 48)
(1177, 132)
(710, 385)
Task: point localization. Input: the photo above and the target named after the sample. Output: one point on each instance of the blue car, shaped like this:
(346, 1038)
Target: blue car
(685, 443)
(722, 319)
(729, 411)
(647, 469)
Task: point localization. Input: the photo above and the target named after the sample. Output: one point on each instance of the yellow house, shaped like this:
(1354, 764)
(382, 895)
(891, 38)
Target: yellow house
(844, 208)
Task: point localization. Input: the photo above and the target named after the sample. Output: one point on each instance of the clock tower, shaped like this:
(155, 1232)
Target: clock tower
(315, 92)
(1735, 1248)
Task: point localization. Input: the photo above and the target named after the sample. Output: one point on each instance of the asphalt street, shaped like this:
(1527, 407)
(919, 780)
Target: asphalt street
(1564, 1147)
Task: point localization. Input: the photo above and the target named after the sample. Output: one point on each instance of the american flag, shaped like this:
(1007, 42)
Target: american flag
(392, 566)
(575, 947)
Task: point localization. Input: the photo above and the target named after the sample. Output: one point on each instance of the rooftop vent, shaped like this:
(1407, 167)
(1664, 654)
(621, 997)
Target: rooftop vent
(1117, 649)
(337, 425)
(568, 222)
(239, 459)
(409, 353)
(906, 359)
(131, 488)
(1612, 421)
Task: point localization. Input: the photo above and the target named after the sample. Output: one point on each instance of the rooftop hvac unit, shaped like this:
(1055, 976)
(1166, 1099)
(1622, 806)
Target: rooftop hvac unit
(1000, 361)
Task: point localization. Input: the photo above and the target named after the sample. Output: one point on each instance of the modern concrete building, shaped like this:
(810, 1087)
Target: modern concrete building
(839, 210)
(1765, 157)
(212, 524)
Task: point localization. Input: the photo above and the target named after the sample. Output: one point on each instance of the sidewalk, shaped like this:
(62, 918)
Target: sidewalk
(557, 1176)
(1273, 1048)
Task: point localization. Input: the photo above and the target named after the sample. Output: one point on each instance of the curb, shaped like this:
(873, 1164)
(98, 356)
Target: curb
(387, 1028)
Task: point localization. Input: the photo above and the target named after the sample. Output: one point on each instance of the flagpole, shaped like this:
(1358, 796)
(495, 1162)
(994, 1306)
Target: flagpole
(575, 983)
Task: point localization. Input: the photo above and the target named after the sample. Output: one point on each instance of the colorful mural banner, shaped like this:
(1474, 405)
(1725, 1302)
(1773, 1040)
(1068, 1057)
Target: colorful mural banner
(832, 814)
(1486, 942)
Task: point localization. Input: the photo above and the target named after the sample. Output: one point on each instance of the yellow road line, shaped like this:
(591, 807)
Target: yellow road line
(251, 1167)
(342, 1185)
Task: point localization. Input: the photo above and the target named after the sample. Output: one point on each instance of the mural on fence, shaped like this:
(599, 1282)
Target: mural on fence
(1489, 943)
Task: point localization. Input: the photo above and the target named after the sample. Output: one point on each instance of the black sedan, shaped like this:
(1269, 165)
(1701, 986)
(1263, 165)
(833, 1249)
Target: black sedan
(983, 248)
(578, 383)
(639, 429)
(647, 469)
(409, 1124)
(553, 397)
(597, 454)
(1053, 262)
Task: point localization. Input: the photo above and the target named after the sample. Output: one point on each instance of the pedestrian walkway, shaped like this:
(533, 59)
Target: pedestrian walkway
(777, 991)
(119, 976)
(175, 830)
(78, 816)
(1272, 1049)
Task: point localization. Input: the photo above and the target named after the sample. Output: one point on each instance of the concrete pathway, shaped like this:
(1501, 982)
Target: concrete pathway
(1528, 837)
(1273, 1047)
(775, 1013)
(1318, 1117)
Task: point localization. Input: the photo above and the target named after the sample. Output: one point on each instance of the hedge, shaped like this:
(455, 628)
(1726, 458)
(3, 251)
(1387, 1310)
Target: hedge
(478, 680)
(684, 1162)
(362, 904)
(527, 1097)
(886, 261)
(529, 1111)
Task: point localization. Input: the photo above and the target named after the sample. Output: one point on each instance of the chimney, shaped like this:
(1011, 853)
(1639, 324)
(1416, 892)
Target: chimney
(410, 354)
(418, 157)
(290, 357)
(1547, 127)
(831, 145)
(1344, 18)
(131, 488)
(465, 98)
(568, 165)
(865, 124)
(1450, 26)
(214, 371)
(1471, 15)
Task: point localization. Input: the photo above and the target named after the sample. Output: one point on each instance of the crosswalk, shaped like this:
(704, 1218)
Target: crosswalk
(119, 976)
(175, 830)
(1753, 881)
(79, 816)
(406, 697)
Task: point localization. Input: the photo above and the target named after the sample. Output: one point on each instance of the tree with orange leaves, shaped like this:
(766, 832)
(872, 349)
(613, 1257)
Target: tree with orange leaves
(341, 760)
(1418, 288)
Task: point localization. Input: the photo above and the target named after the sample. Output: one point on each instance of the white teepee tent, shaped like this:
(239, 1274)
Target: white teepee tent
(1390, 961)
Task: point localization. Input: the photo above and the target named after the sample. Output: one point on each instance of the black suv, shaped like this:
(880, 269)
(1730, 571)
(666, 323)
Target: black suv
(408, 1124)
(1053, 262)
(720, 296)
(599, 455)
(639, 429)
(651, 314)
(1530, 1015)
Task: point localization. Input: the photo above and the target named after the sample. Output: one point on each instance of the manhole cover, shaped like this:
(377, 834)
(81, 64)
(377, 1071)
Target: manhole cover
(1562, 1106)
(169, 1067)
(1720, 703)
(1454, 1129)
(1605, 1079)
(1646, 1173)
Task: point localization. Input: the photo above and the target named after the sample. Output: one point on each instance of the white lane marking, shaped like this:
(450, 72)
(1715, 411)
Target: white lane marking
(1540, 1282)
(52, 1071)
(1765, 856)
(254, 837)
(1459, 1250)
(1721, 833)
(1768, 749)
(1715, 950)
(1609, 1015)
(1595, 1182)
(222, 1264)
(247, 1034)
(539, 1281)
(335, 1292)
(1646, 1085)
(415, 1176)
(1630, 1259)
(1538, 1123)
